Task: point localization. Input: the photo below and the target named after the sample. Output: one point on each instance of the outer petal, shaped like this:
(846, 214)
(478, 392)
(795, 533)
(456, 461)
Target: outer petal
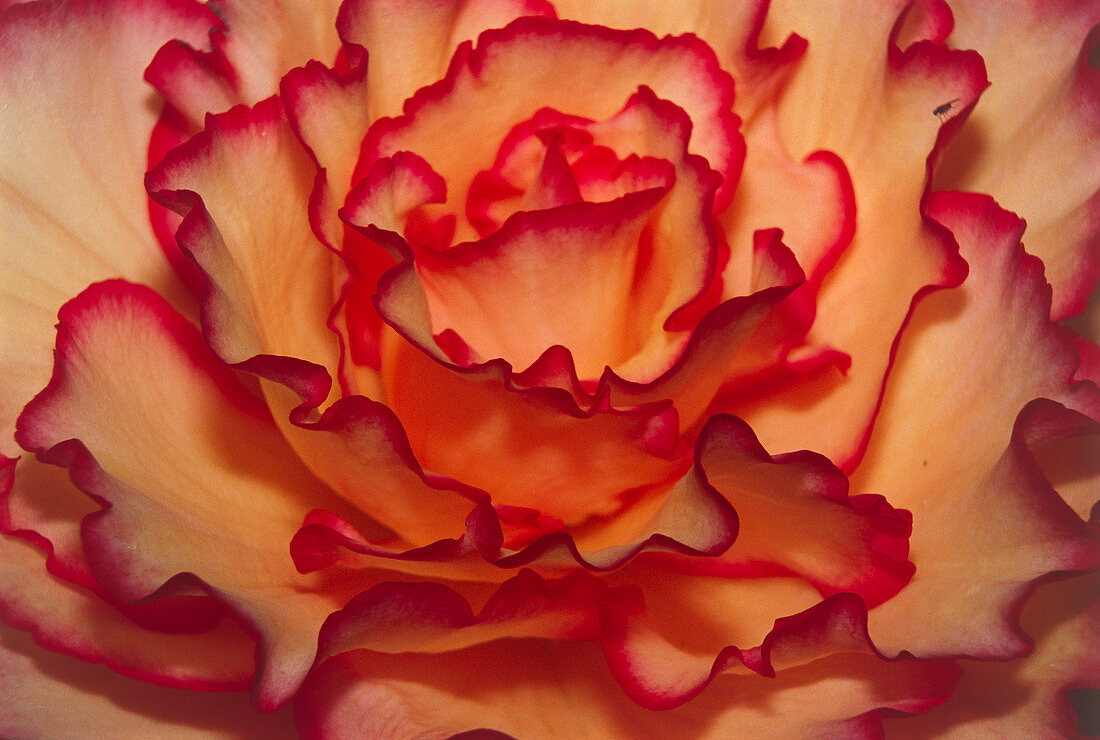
(43, 694)
(660, 674)
(43, 507)
(1027, 697)
(431, 618)
(978, 354)
(530, 688)
(73, 620)
(71, 203)
(872, 104)
(1044, 165)
(192, 475)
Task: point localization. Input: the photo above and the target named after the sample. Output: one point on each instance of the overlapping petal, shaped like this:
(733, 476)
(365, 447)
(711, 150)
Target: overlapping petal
(411, 43)
(192, 475)
(1030, 695)
(1004, 525)
(872, 104)
(533, 688)
(44, 694)
(254, 44)
(76, 621)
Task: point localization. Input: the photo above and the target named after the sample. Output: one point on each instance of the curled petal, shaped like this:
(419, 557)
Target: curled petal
(796, 515)
(586, 71)
(432, 618)
(731, 28)
(192, 475)
(266, 310)
(559, 276)
(692, 519)
(75, 621)
(254, 44)
(533, 688)
(243, 185)
(659, 675)
(1029, 695)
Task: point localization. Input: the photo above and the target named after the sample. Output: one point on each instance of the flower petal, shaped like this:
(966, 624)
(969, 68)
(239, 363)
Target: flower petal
(1045, 164)
(257, 42)
(193, 476)
(531, 688)
(796, 516)
(981, 353)
(661, 675)
(432, 618)
(731, 28)
(410, 43)
(242, 186)
(327, 111)
(70, 197)
(714, 349)
(1027, 697)
(72, 620)
(526, 447)
(691, 519)
(562, 276)
(42, 507)
(585, 71)
(860, 97)
(43, 694)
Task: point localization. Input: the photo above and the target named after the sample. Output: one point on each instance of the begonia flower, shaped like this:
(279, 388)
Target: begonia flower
(549, 368)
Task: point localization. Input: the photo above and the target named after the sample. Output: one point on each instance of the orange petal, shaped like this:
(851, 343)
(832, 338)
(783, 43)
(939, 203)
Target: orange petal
(243, 185)
(257, 42)
(51, 695)
(1032, 142)
(73, 620)
(531, 688)
(982, 512)
(410, 42)
(585, 71)
(1027, 697)
(193, 476)
(796, 516)
(525, 447)
(432, 618)
(71, 199)
(860, 97)
(731, 28)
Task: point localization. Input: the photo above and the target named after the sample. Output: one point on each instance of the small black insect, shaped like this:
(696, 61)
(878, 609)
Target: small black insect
(941, 111)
